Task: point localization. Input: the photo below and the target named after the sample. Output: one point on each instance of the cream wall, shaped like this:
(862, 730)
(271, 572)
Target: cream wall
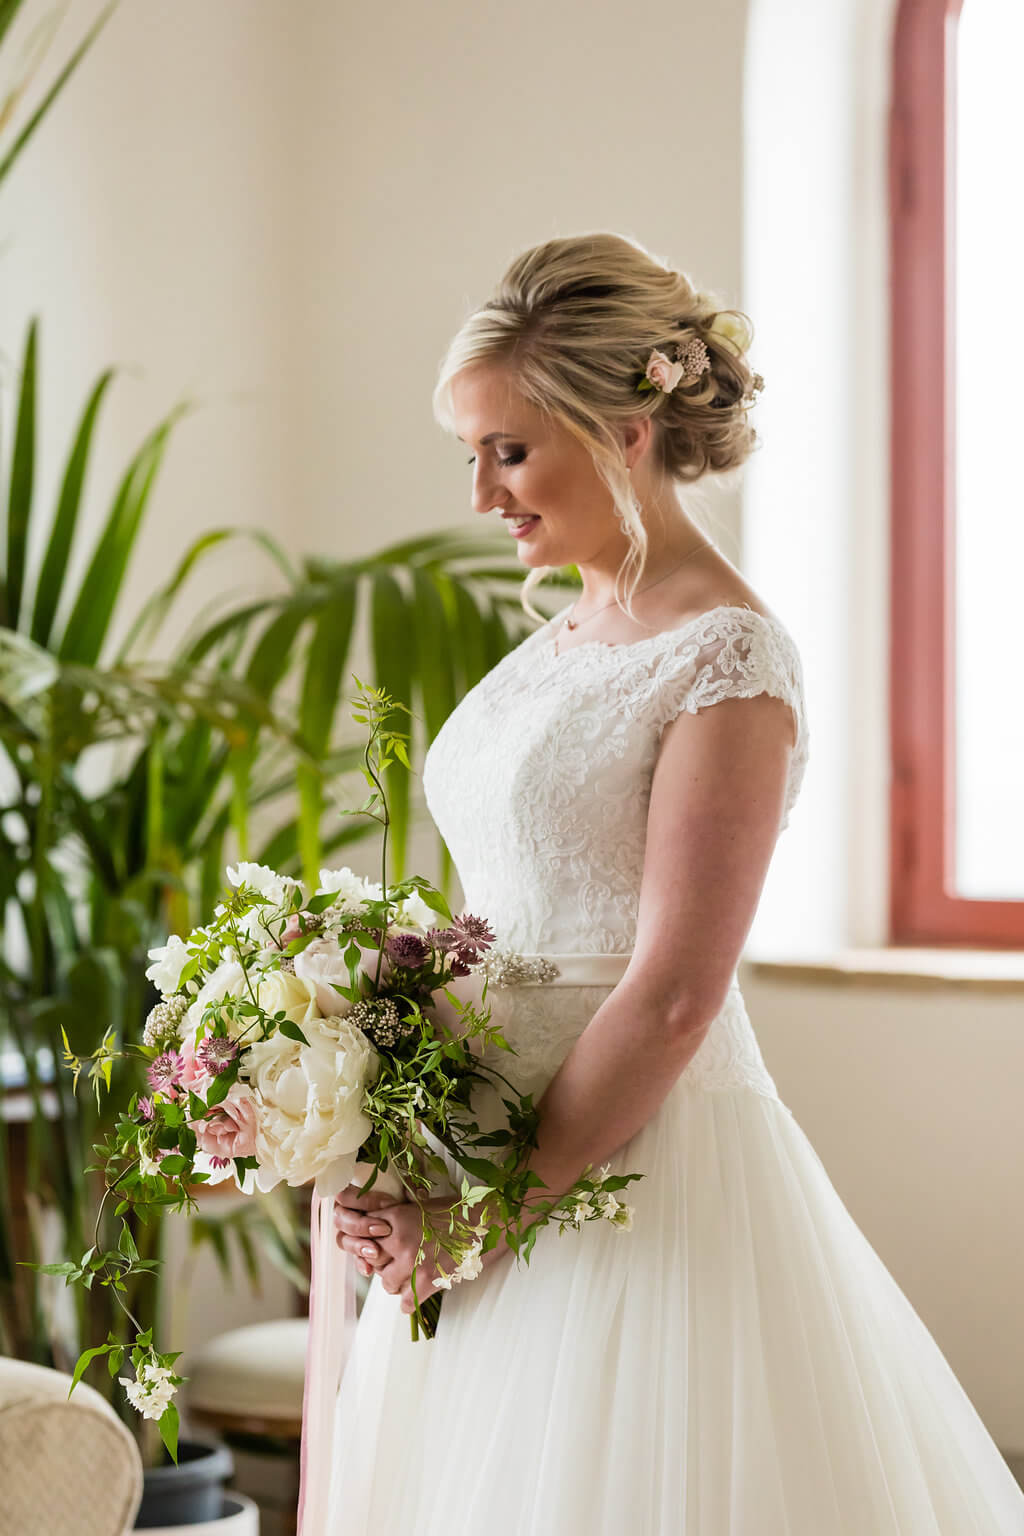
(287, 209)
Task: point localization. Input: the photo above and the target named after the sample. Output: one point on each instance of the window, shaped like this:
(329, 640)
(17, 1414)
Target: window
(956, 696)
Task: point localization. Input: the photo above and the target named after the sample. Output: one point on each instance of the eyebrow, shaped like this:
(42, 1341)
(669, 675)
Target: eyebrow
(493, 436)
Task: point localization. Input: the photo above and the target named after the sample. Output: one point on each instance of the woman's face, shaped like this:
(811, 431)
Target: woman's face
(533, 469)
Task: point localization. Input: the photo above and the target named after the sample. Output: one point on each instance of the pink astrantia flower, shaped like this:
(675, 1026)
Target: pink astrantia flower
(217, 1052)
(164, 1073)
(146, 1108)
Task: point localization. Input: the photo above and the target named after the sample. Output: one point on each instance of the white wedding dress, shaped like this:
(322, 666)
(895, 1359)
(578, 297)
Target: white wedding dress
(740, 1363)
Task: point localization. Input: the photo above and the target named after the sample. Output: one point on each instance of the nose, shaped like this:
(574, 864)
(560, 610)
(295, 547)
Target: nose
(486, 496)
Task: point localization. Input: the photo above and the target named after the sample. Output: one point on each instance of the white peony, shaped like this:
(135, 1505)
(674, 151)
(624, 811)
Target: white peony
(277, 888)
(168, 963)
(311, 1120)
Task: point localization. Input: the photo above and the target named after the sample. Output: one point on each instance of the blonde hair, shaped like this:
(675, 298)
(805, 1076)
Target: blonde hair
(573, 322)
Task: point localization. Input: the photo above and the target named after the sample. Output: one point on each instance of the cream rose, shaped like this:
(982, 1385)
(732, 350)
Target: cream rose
(311, 1121)
(280, 990)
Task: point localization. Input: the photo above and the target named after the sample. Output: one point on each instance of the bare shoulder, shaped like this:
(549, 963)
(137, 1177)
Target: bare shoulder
(721, 587)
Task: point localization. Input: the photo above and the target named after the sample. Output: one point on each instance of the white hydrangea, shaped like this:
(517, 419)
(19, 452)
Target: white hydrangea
(168, 963)
(152, 1390)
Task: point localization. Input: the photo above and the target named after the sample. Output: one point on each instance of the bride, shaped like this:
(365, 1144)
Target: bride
(740, 1362)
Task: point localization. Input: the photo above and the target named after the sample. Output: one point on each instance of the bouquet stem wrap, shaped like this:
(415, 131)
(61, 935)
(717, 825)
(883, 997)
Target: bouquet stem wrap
(332, 1324)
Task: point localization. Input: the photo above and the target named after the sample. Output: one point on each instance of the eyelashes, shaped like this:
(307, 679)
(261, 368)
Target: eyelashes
(515, 458)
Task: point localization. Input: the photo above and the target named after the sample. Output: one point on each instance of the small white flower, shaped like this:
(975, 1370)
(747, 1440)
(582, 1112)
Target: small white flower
(580, 1212)
(352, 888)
(152, 1390)
(608, 1205)
(276, 888)
(470, 1266)
(168, 963)
(623, 1218)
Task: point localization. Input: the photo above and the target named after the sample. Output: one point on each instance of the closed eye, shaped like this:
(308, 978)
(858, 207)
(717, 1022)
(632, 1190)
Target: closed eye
(515, 458)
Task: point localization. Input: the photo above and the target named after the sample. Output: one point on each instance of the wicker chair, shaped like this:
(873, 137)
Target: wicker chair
(68, 1467)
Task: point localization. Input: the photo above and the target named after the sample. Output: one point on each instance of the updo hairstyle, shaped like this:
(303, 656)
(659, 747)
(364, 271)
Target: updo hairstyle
(573, 321)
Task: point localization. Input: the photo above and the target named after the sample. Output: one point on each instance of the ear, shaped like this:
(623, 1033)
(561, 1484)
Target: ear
(636, 438)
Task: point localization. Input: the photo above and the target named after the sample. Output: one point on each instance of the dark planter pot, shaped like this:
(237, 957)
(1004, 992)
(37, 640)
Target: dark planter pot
(189, 1493)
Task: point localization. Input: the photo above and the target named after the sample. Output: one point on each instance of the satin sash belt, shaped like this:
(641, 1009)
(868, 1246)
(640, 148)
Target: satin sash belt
(582, 970)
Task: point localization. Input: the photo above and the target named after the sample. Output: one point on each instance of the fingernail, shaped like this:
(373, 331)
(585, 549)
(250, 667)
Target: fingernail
(378, 1229)
(368, 1248)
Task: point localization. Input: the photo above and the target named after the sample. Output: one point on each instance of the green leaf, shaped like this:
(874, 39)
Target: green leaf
(98, 594)
(83, 1361)
(218, 1090)
(19, 500)
(168, 1425)
(293, 1032)
(54, 91)
(58, 549)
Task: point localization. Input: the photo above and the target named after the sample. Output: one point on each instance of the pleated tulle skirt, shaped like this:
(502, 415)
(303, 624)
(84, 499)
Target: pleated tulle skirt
(740, 1363)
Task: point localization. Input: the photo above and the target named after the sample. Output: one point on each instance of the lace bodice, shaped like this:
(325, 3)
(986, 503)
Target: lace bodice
(539, 782)
(540, 778)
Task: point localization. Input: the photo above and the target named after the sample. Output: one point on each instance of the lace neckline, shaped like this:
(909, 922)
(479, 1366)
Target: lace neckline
(635, 645)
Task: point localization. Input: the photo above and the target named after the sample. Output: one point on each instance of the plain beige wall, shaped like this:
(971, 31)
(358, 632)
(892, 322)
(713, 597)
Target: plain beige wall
(287, 210)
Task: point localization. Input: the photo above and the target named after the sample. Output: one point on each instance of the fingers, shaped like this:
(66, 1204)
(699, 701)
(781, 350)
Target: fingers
(368, 1256)
(350, 1199)
(360, 1224)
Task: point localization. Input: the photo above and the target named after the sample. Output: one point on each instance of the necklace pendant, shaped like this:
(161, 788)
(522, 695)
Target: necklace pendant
(570, 623)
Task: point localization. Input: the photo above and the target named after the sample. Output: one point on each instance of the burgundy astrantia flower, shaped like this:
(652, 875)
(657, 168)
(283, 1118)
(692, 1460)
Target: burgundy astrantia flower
(217, 1052)
(165, 1072)
(471, 933)
(219, 1162)
(442, 938)
(146, 1108)
(408, 949)
(461, 961)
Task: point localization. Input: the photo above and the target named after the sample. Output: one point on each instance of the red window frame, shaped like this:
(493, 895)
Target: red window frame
(922, 158)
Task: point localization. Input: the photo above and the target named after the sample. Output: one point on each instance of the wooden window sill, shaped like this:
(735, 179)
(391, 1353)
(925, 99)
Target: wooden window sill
(997, 972)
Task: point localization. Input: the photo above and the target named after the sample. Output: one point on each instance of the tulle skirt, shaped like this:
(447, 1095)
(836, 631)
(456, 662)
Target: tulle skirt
(740, 1363)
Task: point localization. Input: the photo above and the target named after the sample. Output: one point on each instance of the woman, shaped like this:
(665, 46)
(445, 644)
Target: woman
(740, 1363)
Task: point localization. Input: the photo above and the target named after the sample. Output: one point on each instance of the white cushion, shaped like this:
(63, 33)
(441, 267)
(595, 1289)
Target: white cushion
(255, 1372)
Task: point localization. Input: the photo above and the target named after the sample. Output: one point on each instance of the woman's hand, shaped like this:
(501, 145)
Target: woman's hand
(398, 1248)
(357, 1226)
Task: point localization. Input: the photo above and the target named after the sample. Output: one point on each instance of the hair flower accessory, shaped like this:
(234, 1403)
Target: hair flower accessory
(731, 328)
(691, 360)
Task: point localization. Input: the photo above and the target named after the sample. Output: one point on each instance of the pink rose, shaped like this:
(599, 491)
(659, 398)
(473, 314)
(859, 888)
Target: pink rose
(229, 1130)
(665, 375)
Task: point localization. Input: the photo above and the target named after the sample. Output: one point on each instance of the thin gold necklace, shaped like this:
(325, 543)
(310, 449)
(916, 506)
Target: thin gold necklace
(570, 623)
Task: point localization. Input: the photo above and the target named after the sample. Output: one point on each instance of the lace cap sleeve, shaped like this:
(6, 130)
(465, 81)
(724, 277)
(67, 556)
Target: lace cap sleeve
(734, 653)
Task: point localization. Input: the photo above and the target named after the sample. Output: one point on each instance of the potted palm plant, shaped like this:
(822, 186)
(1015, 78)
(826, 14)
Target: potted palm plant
(100, 860)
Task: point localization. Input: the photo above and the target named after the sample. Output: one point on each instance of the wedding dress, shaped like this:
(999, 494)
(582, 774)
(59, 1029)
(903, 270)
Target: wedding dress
(740, 1362)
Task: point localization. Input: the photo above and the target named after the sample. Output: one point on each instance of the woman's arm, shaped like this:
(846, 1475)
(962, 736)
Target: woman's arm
(717, 797)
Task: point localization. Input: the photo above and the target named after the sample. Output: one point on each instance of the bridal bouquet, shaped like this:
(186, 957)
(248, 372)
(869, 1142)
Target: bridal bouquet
(294, 1042)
